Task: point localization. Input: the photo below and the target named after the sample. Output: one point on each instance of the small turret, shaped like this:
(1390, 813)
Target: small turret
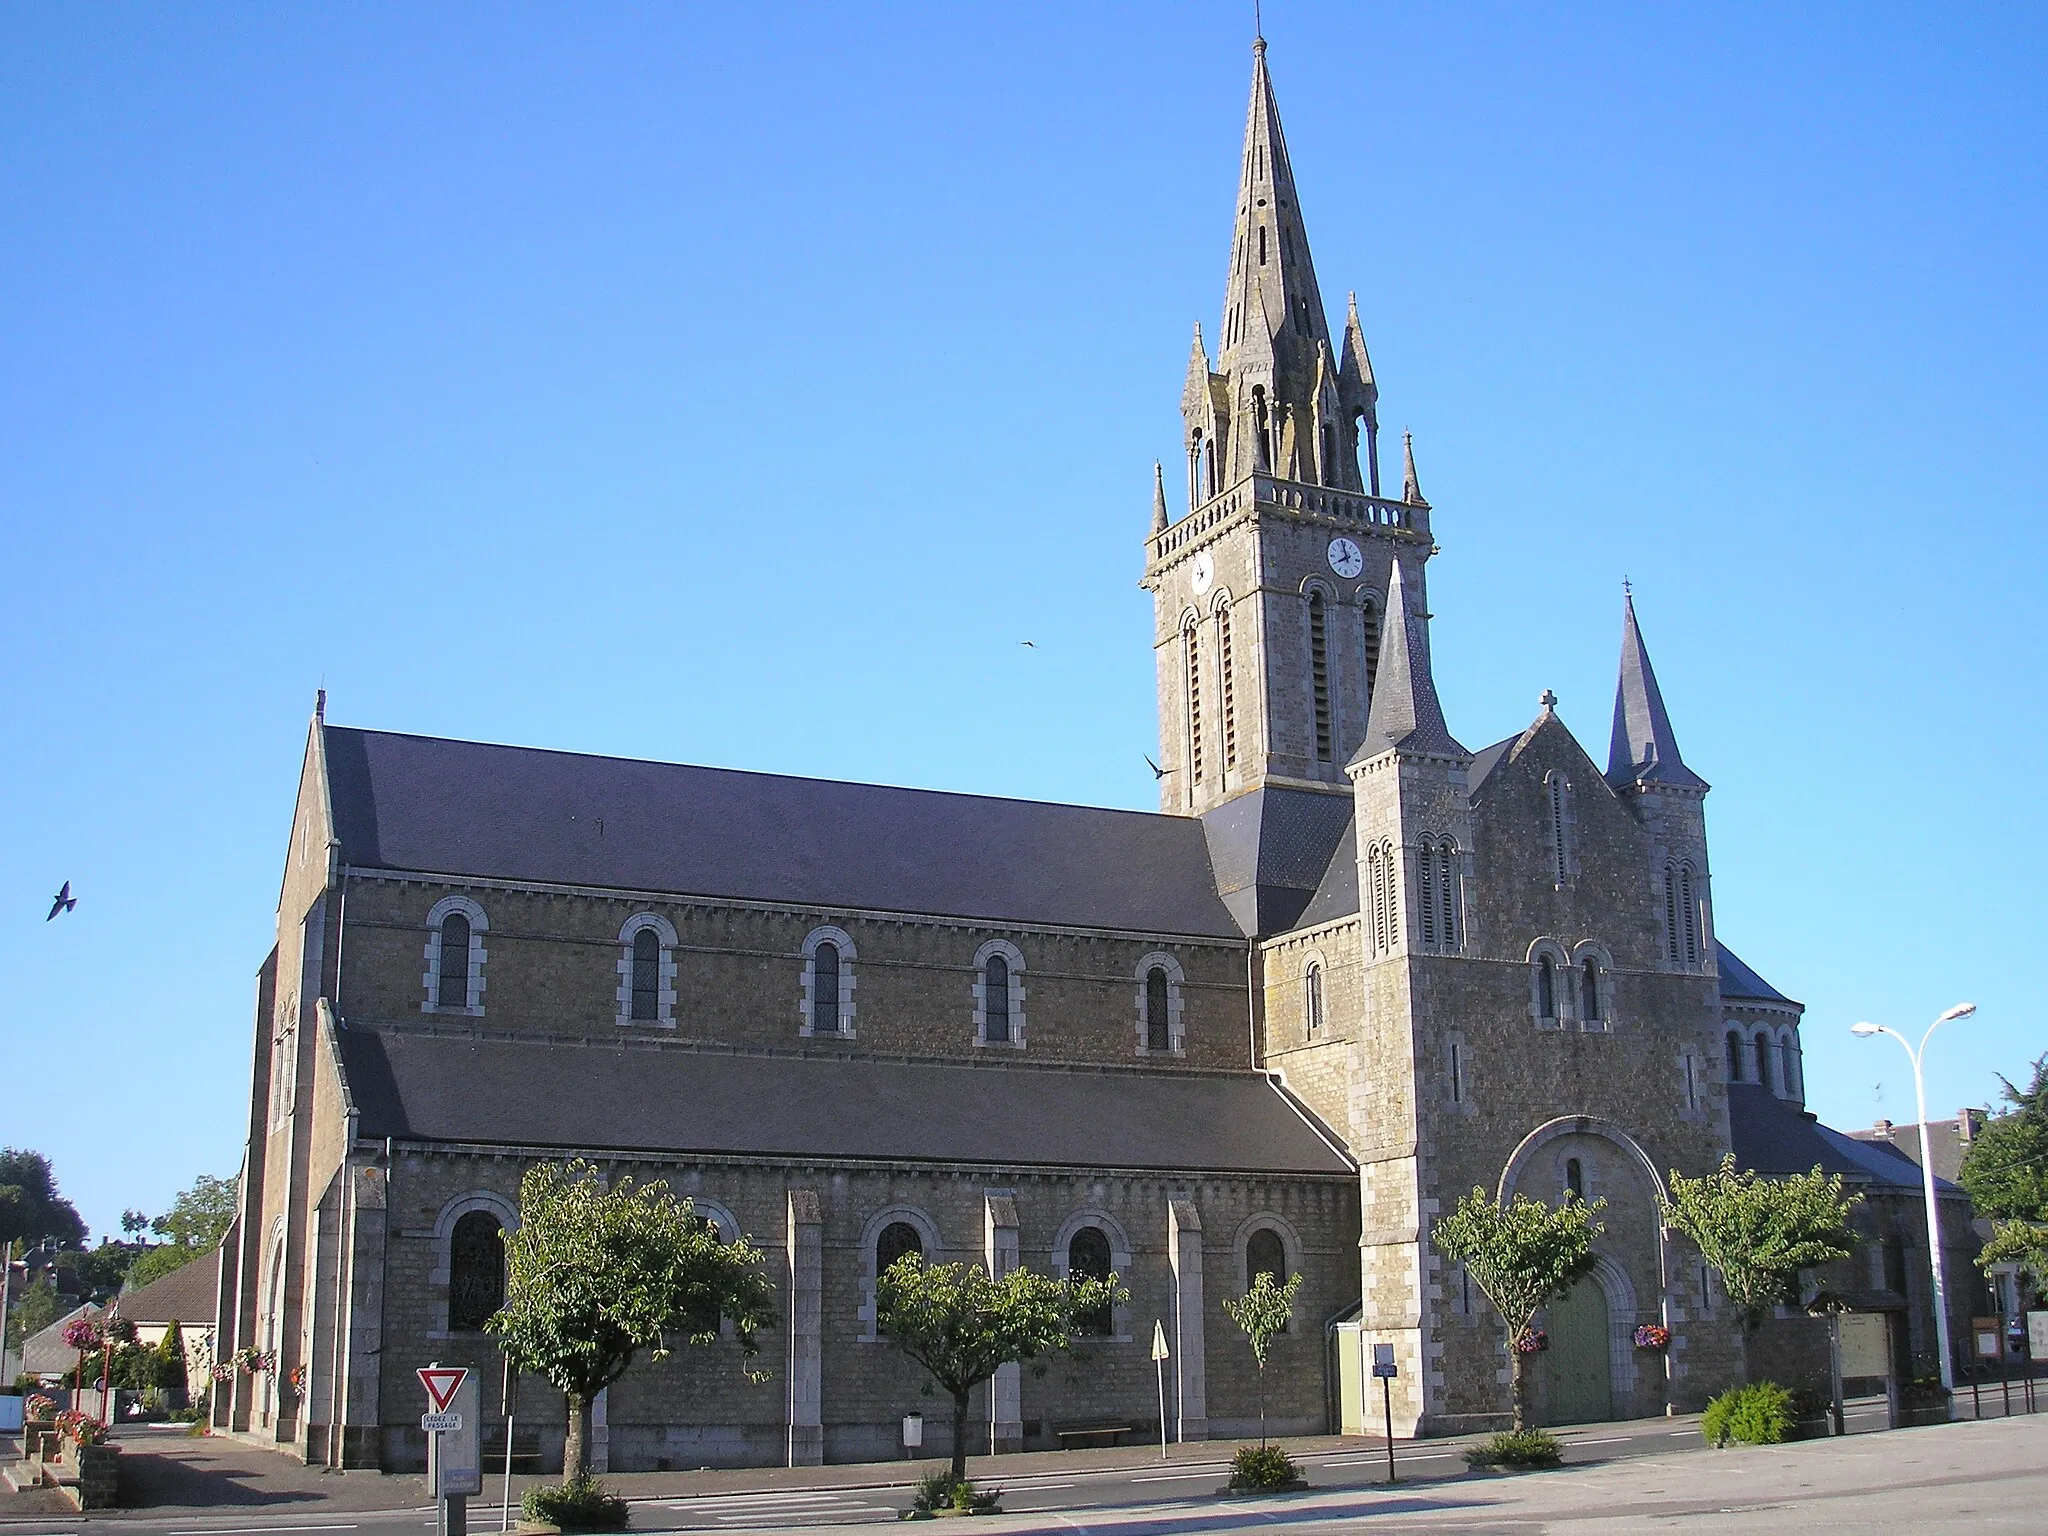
(1406, 715)
(1158, 497)
(1411, 486)
(1358, 393)
(1643, 749)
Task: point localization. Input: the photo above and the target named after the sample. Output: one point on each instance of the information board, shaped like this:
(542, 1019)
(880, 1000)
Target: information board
(455, 1463)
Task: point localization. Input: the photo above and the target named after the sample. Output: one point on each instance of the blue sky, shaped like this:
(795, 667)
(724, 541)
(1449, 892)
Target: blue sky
(740, 385)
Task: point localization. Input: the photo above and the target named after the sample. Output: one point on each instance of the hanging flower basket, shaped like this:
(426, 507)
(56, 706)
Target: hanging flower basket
(1532, 1341)
(225, 1371)
(84, 1334)
(257, 1362)
(1653, 1336)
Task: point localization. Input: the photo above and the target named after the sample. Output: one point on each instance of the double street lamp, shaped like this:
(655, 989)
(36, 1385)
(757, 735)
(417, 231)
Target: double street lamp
(1960, 1011)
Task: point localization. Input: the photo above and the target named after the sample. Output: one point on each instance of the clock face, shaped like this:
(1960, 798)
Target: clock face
(1205, 572)
(1346, 559)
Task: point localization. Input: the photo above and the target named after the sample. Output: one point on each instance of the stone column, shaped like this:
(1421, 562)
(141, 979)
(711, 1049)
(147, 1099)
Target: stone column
(1184, 1250)
(1005, 1410)
(806, 1446)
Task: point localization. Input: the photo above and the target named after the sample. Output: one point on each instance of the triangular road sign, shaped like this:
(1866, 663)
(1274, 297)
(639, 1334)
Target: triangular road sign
(1158, 1342)
(442, 1383)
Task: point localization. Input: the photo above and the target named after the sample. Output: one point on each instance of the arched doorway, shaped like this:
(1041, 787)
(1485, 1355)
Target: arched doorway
(1577, 1366)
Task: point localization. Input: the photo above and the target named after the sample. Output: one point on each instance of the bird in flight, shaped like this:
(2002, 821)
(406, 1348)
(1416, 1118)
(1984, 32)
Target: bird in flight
(1157, 771)
(64, 902)
(1031, 644)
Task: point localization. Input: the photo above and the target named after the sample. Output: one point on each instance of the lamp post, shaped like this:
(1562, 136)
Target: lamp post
(1866, 1029)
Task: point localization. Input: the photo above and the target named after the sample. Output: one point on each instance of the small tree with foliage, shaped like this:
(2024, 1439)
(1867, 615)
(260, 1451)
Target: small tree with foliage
(1521, 1255)
(961, 1326)
(2006, 1173)
(1263, 1312)
(167, 1370)
(192, 1228)
(1759, 1233)
(595, 1275)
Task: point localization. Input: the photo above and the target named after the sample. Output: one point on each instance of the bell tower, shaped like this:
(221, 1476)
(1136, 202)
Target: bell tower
(1269, 588)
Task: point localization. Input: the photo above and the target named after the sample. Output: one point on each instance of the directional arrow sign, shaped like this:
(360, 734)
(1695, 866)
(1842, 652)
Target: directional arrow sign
(442, 1382)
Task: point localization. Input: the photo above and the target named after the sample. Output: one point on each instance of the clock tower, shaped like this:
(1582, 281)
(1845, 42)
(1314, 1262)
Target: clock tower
(1269, 587)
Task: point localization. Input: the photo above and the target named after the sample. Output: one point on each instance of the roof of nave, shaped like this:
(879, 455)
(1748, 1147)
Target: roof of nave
(663, 1097)
(1775, 1137)
(427, 804)
(187, 1295)
(1271, 846)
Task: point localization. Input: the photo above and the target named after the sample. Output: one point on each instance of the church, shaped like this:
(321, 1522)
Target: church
(1349, 970)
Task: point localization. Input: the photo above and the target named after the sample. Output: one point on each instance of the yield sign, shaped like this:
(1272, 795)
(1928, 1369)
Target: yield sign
(442, 1382)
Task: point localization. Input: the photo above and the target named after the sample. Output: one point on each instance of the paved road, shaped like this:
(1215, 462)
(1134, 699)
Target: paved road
(1629, 1477)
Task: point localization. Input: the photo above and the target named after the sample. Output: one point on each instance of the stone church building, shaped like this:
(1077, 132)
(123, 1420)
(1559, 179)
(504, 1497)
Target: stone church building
(1350, 970)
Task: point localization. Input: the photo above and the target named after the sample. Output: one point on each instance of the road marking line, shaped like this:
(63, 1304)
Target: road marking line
(1174, 1477)
(710, 1501)
(1613, 1440)
(1028, 1487)
(257, 1530)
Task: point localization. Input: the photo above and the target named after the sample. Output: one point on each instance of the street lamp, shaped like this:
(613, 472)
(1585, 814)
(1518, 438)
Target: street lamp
(1960, 1011)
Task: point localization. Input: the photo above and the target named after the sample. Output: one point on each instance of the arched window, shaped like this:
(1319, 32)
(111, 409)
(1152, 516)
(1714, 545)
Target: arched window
(897, 1239)
(1261, 427)
(646, 976)
(476, 1271)
(1384, 883)
(825, 989)
(1191, 646)
(1158, 1015)
(995, 985)
(1672, 950)
(1319, 673)
(1734, 1056)
(1262, 245)
(1312, 995)
(1088, 1259)
(1682, 939)
(1795, 1071)
(1426, 906)
(1766, 1072)
(1265, 1254)
(1589, 991)
(1546, 989)
(1372, 647)
(1447, 896)
(452, 985)
(1690, 914)
(1227, 681)
(1574, 1179)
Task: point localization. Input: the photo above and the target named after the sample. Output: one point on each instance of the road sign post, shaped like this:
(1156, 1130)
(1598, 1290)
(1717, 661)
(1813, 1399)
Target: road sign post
(1159, 1364)
(508, 1401)
(1383, 1367)
(452, 1421)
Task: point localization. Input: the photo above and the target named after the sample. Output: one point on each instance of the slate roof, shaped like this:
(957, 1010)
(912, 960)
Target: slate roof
(1270, 848)
(1739, 983)
(44, 1352)
(427, 804)
(1773, 1136)
(185, 1296)
(1336, 894)
(639, 1096)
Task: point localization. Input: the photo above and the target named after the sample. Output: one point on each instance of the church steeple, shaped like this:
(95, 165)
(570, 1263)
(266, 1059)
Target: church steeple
(1286, 399)
(1643, 747)
(1406, 715)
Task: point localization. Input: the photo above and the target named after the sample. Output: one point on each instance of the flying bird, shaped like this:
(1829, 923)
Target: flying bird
(1033, 644)
(1157, 771)
(64, 902)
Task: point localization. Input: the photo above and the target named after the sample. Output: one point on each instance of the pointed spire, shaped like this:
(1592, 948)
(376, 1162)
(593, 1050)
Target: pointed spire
(1406, 715)
(1643, 747)
(1359, 393)
(1269, 242)
(1411, 487)
(1158, 497)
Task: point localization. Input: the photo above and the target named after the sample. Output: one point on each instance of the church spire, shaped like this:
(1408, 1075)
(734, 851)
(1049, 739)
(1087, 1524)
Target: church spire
(1406, 715)
(1643, 747)
(1360, 392)
(1158, 497)
(1269, 244)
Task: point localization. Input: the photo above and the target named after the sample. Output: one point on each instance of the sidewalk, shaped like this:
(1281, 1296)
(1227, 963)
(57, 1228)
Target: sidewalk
(166, 1469)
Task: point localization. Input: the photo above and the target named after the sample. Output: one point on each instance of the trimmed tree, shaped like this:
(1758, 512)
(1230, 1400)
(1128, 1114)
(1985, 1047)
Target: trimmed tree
(1263, 1312)
(1759, 1233)
(2006, 1173)
(594, 1275)
(961, 1326)
(1520, 1255)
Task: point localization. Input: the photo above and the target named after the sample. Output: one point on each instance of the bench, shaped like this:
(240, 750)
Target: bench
(525, 1451)
(1092, 1432)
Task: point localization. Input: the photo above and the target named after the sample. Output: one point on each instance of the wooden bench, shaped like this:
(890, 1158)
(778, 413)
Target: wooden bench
(1094, 1431)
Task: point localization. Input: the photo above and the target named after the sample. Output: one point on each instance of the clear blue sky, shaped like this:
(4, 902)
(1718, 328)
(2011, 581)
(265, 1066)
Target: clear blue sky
(741, 384)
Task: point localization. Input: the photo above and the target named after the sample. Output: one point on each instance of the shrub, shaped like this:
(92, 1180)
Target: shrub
(1516, 1448)
(1758, 1414)
(582, 1505)
(1262, 1469)
(1923, 1392)
(937, 1491)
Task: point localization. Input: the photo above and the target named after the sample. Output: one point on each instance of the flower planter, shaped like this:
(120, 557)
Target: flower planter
(90, 1475)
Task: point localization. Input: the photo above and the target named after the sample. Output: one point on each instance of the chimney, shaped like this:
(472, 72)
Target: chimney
(1884, 1130)
(1968, 1123)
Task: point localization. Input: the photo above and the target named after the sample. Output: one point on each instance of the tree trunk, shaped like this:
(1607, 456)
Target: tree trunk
(1518, 1390)
(576, 1448)
(960, 1434)
(1262, 1407)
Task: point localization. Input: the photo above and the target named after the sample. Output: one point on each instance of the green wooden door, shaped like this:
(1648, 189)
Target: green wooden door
(1577, 1363)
